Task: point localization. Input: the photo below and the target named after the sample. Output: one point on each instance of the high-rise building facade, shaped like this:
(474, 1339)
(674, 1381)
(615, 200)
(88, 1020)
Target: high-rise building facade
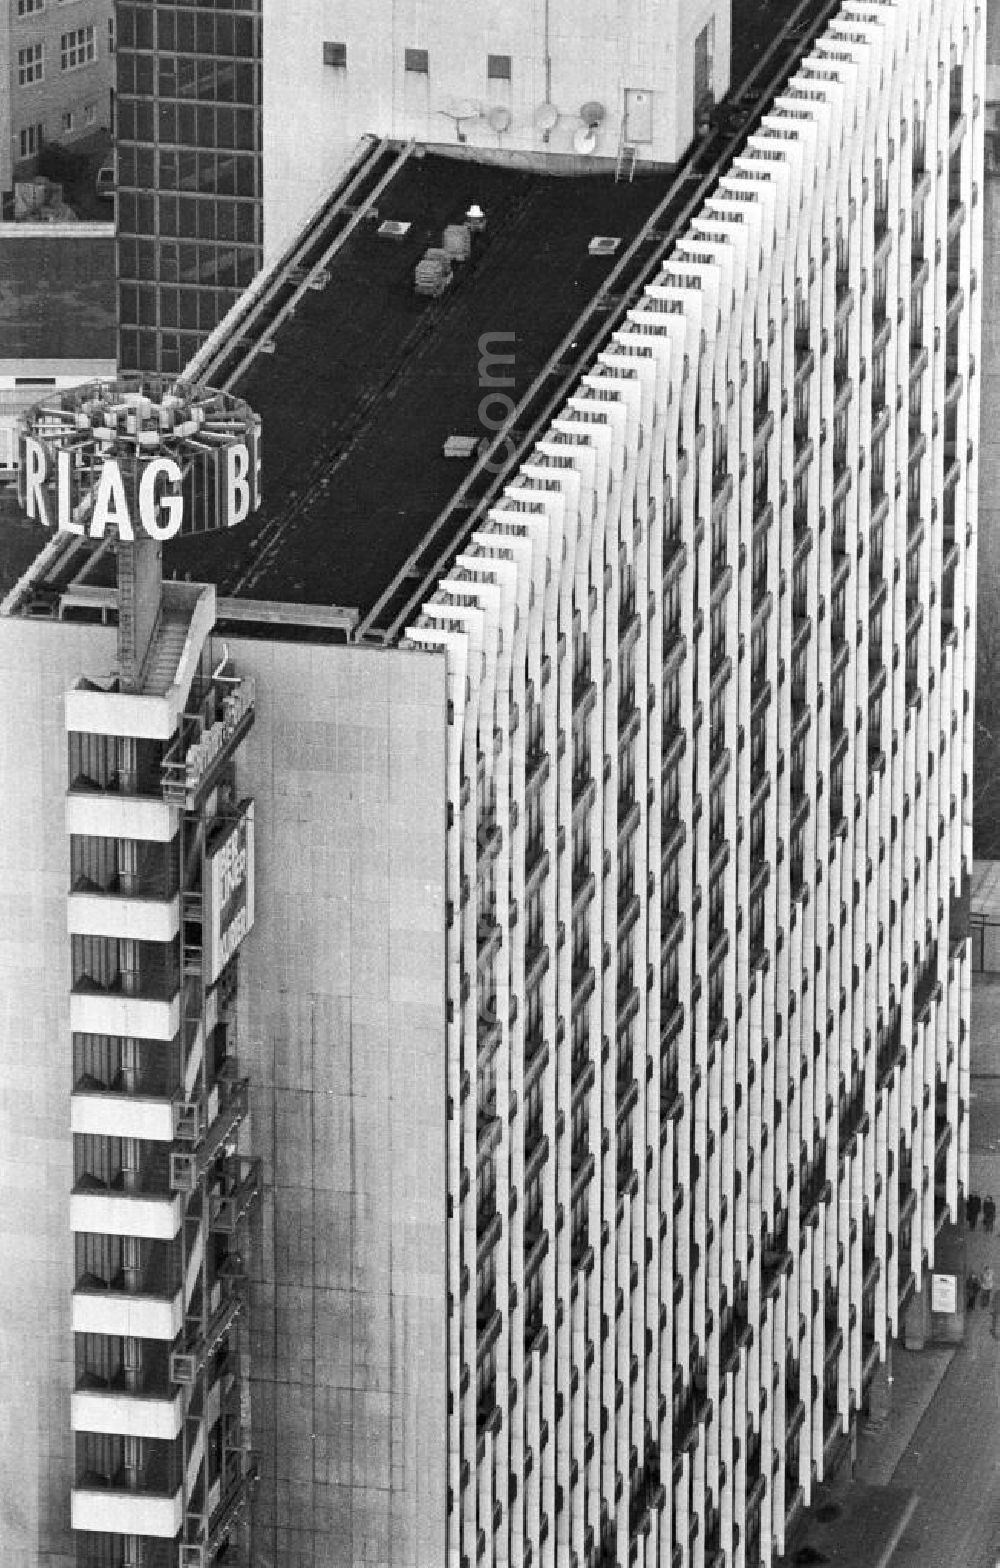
(710, 752)
(189, 173)
(604, 1012)
(57, 77)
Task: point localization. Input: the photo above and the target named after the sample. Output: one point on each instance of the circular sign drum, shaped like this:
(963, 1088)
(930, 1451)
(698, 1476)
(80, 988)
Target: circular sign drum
(143, 455)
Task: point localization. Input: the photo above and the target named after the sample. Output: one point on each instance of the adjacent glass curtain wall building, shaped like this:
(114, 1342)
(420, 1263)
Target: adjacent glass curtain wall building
(189, 172)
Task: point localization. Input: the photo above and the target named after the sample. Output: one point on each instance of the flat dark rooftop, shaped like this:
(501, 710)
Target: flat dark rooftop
(57, 296)
(368, 380)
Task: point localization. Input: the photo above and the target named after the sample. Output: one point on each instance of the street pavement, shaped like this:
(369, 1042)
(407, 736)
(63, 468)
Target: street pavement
(926, 1491)
(952, 1462)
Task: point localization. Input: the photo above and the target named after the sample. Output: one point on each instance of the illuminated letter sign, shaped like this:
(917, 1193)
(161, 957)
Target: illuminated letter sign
(34, 467)
(241, 477)
(110, 504)
(230, 894)
(150, 504)
(156, 498)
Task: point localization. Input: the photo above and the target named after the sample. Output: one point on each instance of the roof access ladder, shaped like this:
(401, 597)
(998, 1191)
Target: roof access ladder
(628, 155)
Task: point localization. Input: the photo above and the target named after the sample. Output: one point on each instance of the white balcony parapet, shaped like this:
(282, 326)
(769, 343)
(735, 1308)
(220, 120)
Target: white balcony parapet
(120, 1313)
(112, 712)
(111, 914)
(124, 1214)
(106, 814)
(137, 1017)
(114, 1512)
(108, 711)
(122, 1115)
(127, 1415)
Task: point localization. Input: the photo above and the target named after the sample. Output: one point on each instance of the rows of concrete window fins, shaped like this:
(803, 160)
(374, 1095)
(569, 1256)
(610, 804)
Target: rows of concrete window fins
(889, 1045)
(108, 1266)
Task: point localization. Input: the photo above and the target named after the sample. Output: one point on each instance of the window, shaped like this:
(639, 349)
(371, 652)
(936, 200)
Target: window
(29, 7)
(759, 570)
(89, 114)
(581, 752)
(335, 54)
(30, 65)
(878, 466)
(758, 751)
(416, 60)
(498, 67)
(717, 816)
(843, 254)
(671, 707)
(77, 48)
(718, 634)
(67, 120)
(919, 143)
(671, 612)
(671, 893)
(760, 477)
(111, 35)
(704, 62)
(31, 140)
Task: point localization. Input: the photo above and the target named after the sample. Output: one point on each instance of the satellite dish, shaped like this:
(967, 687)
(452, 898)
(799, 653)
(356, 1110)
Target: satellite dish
(461, 109)
(546, 116)
(592, 113)
(585, 139)
(499, 118)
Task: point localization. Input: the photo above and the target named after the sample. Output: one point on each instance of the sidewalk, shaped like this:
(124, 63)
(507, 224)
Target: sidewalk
(916, 1378)
(953, 1463)
(867, 1525)
(861, 1523)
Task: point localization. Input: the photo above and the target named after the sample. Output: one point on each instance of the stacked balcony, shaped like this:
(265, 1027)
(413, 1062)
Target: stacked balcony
(160, 1197)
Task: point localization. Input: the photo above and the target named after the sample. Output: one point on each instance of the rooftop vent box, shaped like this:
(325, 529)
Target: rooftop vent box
(457, 241)
(461, 446)
(604, 244)
(392, 229)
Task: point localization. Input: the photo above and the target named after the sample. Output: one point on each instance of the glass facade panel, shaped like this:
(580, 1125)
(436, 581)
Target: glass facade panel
(189, 144)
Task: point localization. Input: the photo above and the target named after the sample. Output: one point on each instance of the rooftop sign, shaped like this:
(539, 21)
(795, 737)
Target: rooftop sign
(142, 455)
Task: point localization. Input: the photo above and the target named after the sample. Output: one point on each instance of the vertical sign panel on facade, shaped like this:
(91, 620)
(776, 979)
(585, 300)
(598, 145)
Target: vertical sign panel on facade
(229, 893)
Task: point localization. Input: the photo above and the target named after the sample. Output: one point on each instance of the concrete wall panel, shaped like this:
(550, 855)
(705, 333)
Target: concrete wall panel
(343, 1000)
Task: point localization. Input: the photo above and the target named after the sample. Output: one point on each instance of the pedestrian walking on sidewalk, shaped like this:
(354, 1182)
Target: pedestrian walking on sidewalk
(986, 1287)
(989, 1212)
(972, 1207)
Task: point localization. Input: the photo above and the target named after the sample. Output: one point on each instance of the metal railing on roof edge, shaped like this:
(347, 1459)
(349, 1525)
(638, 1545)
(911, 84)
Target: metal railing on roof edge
(239, 324)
